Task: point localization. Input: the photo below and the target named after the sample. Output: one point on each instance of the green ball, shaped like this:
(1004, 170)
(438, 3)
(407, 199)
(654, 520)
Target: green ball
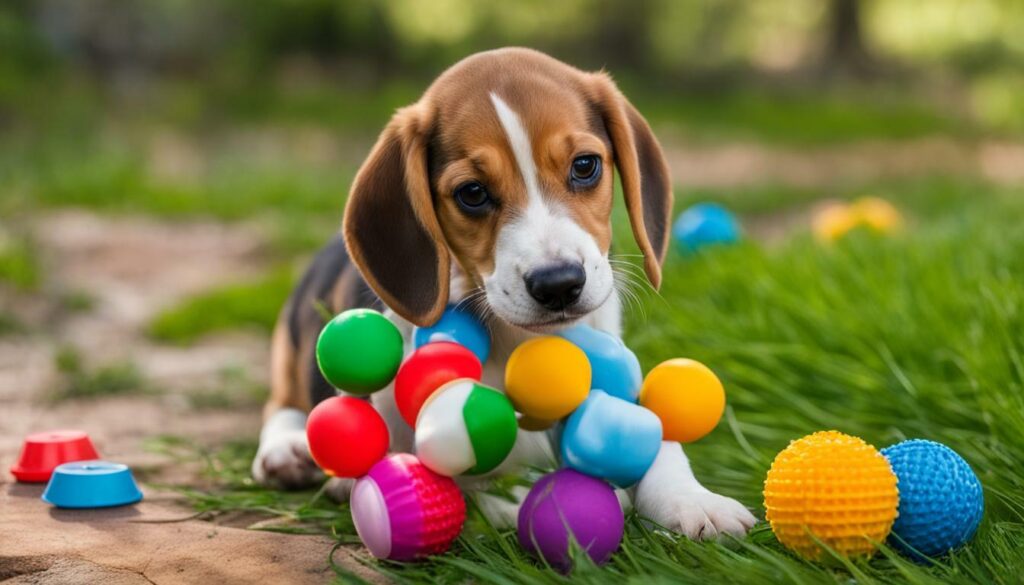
(359, 351)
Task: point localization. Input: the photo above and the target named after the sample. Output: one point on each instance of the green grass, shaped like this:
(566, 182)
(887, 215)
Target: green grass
(305, 512)
(10, 324)
(248, 305)
(19, 265)
(116, 179)
(81, 381)
(802, 119)
(916, 335)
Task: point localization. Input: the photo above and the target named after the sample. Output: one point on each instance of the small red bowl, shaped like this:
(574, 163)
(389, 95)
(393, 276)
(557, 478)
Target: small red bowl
(42, 452)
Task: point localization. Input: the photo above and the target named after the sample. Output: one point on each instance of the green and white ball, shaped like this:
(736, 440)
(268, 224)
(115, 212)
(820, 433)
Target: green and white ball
(465, 428)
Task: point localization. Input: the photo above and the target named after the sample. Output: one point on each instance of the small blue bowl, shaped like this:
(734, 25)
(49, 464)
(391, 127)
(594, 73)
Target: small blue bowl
(91, 484)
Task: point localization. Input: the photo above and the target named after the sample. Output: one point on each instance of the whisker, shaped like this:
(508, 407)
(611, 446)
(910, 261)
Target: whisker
(469, 298)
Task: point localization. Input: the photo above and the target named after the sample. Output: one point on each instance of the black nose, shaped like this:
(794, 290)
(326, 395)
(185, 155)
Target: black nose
(556, 287)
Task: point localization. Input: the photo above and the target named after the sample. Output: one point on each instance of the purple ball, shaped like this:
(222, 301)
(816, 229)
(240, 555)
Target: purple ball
(565, 501)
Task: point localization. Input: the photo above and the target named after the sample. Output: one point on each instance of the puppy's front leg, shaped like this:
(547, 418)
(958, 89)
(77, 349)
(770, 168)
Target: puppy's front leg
(670, 495)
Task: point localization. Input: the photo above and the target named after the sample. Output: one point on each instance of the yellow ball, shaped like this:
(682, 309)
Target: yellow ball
(834, 221)
(687, 396)
(832, 487)
(546, 378)
(877, 214)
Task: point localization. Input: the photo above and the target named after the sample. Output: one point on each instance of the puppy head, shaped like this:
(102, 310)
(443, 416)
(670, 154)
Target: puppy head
(506, 166)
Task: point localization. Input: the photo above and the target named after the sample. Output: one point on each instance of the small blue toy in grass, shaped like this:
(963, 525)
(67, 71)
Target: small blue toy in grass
(614, 368)
(941, 501)
(705, 224)
(460, 325)
(612, 439)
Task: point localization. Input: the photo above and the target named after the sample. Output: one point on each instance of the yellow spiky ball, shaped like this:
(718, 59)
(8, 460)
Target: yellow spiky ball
(834, 488)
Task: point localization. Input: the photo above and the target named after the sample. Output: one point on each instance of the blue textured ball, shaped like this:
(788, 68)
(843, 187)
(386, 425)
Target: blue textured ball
(614, 368)
(461, 326)
(705, 224)
(941, 502)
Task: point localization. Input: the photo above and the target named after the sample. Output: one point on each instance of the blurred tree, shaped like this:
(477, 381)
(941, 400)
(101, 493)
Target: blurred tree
(845, 49)
(622, 35)
(242, 46)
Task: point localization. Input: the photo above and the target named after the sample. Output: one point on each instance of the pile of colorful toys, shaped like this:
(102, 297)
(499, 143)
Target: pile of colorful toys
(612, 423)
(836, 491)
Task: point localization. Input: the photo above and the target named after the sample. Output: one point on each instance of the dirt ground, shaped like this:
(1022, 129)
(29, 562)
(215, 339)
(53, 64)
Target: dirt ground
(145, 544)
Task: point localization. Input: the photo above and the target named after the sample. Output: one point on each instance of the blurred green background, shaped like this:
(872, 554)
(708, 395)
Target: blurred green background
(172, 100)
(231, 109)
(225, 107)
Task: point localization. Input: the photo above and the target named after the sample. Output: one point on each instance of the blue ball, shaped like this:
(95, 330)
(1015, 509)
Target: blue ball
(459, 325)
(609, 438)
(614, 368)
(941, 502)
(705, 224)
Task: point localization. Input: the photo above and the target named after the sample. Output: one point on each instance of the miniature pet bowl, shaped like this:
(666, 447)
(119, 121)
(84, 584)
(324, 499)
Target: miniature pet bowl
(91, 484)
(42, 452)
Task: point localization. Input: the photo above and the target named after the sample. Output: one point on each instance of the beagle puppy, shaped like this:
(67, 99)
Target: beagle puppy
(494, 189)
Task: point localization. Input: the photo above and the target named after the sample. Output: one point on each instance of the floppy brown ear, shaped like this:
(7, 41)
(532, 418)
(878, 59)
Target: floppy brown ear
(646, 182)
(390, 226)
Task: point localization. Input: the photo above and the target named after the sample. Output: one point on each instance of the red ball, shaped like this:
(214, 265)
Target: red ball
(346, 436)
(427, 369)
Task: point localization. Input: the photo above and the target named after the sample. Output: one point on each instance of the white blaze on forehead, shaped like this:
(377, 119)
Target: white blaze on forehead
(519, 140)
(543, 233)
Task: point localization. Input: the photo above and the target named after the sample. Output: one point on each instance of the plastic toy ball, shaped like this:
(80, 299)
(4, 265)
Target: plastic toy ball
(833, 221)
(614, 368)
(461, 326)
(359, 351)
(941, 501)
(429, 368)
(547, 378)
(612, 439)
(687, 396)
(834, 488)
(568, 504)
(465, 427)
(346, 436)
(836, 219)
(877, 214)
(705, 224)
(404, 512)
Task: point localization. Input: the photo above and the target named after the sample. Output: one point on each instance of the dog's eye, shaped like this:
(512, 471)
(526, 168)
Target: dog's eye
(472, 197)
(586, 170)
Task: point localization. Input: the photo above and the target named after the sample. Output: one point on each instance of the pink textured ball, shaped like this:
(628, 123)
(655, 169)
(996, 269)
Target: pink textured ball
(403, 511)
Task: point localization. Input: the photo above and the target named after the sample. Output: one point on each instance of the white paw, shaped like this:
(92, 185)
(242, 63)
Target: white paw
(283, 461)
(703, 515)
(339, 488)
